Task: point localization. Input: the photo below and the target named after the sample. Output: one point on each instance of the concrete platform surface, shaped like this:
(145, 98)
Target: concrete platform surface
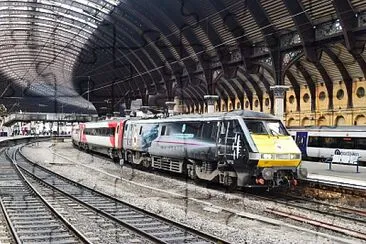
(13, 137)
(344, 174)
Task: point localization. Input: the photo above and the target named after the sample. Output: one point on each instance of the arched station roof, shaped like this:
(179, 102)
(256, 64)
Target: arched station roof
(80, 55)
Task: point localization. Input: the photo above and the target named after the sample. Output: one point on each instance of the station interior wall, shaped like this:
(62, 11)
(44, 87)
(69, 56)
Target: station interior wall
(341, 114)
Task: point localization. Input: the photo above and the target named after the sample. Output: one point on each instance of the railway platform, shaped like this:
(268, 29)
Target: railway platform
(339, 175)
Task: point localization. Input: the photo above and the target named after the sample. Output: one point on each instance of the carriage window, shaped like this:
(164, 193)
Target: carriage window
(190, 130)
(347, 143)
(331, 142)
(360, 143)
(163, 129)
(313, 141)
(209, 130)
(111, 131)
(140, 132)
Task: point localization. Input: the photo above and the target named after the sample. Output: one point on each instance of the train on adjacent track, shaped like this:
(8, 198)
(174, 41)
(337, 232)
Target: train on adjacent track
(236, 149)
(321, 142)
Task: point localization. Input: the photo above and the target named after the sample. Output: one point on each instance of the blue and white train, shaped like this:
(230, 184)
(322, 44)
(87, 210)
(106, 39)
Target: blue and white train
(320, 143)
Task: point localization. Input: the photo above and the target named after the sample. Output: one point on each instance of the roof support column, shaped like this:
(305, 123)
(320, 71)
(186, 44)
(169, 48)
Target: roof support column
(273, 42)
(211, 99)
(279, 94)
(170, 105)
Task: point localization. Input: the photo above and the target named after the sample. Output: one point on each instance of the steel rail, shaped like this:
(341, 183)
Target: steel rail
(77, 233)
(186, 229)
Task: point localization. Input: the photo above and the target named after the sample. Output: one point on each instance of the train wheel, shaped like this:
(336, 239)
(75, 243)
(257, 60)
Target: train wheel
(146, 163)
(121, 162)
(130, 157)
(230, 183)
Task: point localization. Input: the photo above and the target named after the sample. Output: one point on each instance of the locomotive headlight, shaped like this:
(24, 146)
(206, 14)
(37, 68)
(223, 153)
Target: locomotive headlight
(267, 156)
(294, 156)
(267, 173)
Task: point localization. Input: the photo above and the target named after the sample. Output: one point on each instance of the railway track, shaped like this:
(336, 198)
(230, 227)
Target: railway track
(296, 213)
(151, 226)
(321, 224)
(352, 214)
(29, 217)
(97, 228)
(276, 217)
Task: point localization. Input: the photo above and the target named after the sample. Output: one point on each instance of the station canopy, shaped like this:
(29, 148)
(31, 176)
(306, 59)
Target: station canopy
(93, 56)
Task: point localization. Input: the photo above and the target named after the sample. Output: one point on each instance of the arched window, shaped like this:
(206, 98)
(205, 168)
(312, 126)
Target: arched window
(360, 120)
(246, 104)
(322, 121)
(266, 102)
(238, 105)
(291, 122)
(305, 122)
(340, 121)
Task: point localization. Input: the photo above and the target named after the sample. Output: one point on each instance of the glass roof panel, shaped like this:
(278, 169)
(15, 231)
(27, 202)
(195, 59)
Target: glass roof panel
(46, 37)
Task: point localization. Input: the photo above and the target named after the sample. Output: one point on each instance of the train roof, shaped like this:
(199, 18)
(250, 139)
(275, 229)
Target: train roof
(361, 128)
(241, 113)
(235, 113)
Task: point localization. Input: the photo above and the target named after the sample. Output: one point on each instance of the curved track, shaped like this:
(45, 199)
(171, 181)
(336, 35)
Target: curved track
(146, 224)
(30, 218)
(296, 218)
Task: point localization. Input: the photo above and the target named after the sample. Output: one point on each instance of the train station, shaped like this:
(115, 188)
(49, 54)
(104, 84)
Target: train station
(182, 121)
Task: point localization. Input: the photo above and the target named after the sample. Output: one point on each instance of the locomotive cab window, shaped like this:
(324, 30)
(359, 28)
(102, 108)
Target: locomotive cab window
(272, 128)
(256, 127)
(276, 128)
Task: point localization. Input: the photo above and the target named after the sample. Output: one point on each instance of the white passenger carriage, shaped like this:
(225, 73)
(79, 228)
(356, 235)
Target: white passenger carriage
(323, 142)
(101, 136)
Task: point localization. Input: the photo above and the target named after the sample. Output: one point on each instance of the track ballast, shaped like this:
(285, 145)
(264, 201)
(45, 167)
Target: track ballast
(29, 217)
(149, 225)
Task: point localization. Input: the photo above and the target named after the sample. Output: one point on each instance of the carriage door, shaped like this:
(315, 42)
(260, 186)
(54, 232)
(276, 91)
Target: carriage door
(117, 141)
(302, 141)
(230, 140)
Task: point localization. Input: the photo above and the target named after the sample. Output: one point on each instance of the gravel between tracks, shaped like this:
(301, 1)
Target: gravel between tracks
(232, 228)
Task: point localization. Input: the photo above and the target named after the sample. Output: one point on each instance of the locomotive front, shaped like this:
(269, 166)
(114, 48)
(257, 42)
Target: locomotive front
(275, 156)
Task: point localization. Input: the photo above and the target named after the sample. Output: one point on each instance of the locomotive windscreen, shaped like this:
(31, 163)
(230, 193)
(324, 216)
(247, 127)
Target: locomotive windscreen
(265, 127)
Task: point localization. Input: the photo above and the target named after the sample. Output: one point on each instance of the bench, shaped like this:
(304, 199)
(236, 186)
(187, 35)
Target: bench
(346, 158)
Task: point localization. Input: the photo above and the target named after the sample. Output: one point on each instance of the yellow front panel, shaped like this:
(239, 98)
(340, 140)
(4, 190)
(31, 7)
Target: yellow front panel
(278, 145)
(267, 163)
